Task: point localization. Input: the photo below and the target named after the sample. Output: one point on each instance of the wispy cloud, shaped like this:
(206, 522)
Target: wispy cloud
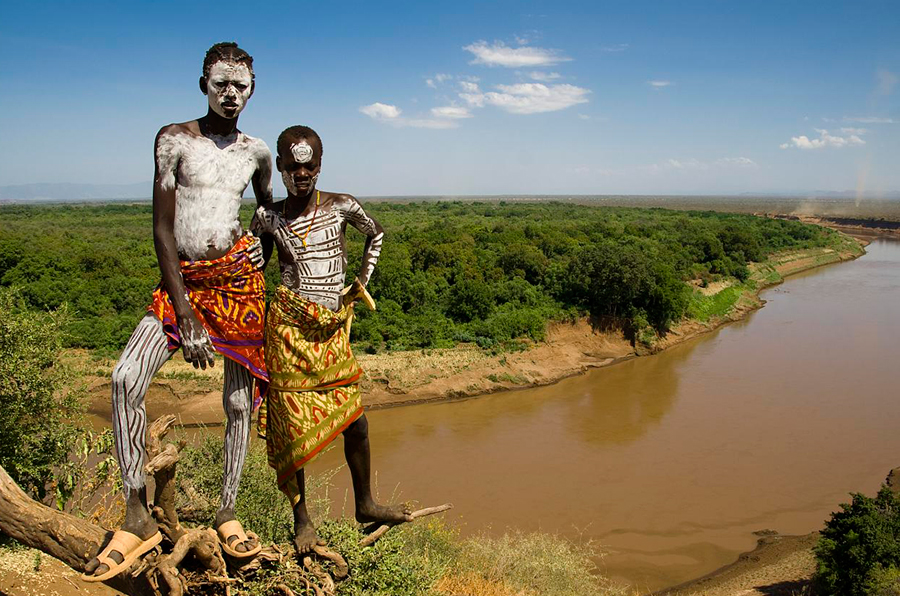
(392, 115)
(869, 120)
(451, 112)
(825, 139)
(619, 47)
(529, 98)
(499, 54)
(469, 87)
(583, 117)
(437, 79)
(544, 77)
(660, 84)
(381, 111)
(696, 164)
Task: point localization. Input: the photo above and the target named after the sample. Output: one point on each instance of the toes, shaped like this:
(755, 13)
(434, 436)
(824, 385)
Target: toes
(101, 569)
(91, 565)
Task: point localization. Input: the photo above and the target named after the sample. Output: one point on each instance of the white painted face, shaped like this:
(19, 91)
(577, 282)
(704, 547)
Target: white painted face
(228, 88)
(302, 152)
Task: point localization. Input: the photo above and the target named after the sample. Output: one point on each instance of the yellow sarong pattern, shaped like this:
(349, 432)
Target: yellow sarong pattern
(313, 393)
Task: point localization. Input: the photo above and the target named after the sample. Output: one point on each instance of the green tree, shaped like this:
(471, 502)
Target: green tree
(859, 544)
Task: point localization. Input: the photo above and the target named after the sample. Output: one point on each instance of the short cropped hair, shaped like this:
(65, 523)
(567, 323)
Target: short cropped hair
(227, 51)
(297, 132)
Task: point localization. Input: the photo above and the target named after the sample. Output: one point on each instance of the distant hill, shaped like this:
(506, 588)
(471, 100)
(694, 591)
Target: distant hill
(65, 191)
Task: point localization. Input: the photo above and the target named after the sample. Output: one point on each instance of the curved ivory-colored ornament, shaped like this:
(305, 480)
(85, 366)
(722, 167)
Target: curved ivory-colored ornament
(302, 152)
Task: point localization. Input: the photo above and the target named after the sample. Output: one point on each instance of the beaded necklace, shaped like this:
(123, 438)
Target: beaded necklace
(293, 231)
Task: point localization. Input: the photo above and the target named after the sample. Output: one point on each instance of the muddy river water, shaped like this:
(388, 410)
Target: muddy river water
(671, 462)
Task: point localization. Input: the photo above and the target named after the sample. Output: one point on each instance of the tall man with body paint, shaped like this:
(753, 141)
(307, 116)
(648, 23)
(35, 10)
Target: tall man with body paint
(313, 393)
(211, 297)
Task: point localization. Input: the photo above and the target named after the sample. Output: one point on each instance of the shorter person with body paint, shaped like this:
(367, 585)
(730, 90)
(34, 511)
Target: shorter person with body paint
(313, 394)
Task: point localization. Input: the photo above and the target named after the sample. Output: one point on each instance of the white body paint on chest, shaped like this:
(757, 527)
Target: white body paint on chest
(209, 176)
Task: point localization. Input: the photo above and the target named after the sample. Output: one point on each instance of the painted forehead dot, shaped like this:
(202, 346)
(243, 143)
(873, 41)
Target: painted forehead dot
(302, 152)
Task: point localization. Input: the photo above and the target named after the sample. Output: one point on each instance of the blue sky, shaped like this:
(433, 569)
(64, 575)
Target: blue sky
(475, 98)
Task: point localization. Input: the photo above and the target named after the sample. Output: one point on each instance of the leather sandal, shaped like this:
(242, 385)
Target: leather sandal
(131, 546)
(232, 529)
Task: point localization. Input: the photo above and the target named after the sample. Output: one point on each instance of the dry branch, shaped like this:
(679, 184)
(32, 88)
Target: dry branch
(382, 530)
(162, 464)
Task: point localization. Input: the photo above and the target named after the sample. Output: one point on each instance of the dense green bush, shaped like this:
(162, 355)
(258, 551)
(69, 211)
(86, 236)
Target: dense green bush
(490, 271)
(39, 407)
(859, 551)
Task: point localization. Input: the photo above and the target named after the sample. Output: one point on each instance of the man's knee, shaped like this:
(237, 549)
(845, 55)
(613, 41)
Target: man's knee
(237, 402)
(125, 375)
(359, 430)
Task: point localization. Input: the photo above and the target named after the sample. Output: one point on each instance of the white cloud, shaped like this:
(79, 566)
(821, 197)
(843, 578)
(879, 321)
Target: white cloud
(687, 164)
(584, 117)
(619, 47)
(381, 111)
(696, 164)
(544, 77)
(469, 87)
(825, 140)
(869, 120)
(476, 100)
(741, 162)
(660, 84)
(886, 81)
(451, 112)
(854, 131)
(391, 114)
(530, 98)
(499, 54)
(437, 79)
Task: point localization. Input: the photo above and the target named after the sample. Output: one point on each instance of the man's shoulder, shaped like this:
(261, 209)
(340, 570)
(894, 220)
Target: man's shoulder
(190, 128)
(341, 199)
(259, 146)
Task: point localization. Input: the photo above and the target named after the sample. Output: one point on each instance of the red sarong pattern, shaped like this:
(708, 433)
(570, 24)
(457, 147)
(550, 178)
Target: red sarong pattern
(228, 296)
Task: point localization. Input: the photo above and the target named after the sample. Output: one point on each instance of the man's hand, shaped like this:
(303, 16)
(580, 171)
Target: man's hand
(255, 253)
(357, 292)
(195, 342)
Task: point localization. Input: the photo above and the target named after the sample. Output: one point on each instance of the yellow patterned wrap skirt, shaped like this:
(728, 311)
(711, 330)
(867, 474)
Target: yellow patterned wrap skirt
(313, 393)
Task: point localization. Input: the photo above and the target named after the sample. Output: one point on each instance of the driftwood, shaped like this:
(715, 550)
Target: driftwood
(75, 541)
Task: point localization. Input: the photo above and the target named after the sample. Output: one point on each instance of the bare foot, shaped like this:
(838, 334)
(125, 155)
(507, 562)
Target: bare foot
(226, 515)
(305, 538)
(390, 514)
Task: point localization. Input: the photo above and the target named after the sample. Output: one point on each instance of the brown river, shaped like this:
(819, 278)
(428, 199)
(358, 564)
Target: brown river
(671, 462)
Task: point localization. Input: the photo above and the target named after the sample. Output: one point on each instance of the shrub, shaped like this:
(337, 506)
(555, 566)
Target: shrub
(859, 551)
(39, 408)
